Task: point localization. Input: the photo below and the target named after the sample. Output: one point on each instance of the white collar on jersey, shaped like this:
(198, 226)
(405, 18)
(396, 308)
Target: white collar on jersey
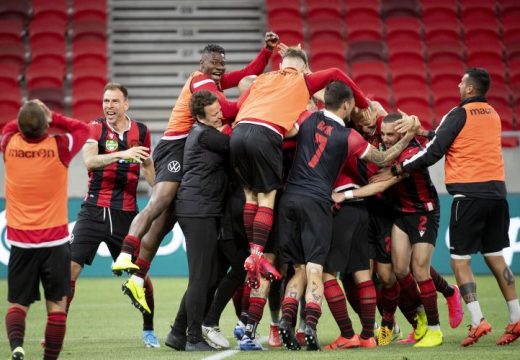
(125, 130)
(333, 116)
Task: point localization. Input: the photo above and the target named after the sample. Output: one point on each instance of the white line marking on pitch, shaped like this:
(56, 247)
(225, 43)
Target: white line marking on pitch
(228, 353)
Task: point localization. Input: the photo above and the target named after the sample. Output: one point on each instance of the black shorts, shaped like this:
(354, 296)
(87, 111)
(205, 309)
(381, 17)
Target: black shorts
(305, 229)
(349, 249)
(27, 267)
(96, 225)
(478, 225)
(256, 156)
(420, 227)
(167, 160)
(380, 235)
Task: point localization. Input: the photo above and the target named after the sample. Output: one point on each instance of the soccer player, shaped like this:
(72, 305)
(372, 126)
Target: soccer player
(305, 207)
(116, 151)
(36, 181)
(158, 218)
(267, 114)
(469, 137)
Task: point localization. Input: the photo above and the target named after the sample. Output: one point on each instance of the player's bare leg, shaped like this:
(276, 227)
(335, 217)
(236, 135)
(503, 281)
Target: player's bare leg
(293, 292)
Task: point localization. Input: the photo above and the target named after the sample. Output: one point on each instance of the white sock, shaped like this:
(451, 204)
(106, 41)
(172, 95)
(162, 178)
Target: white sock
(514, 310)
(138, 280)
(434, 327)
(475, 312)
(125, 255)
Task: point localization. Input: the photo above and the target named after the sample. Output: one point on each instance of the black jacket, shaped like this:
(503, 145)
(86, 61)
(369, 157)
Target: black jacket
(204, 181)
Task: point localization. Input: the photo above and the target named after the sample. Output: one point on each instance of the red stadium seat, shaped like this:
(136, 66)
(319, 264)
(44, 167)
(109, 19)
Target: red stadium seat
(9, 76)
(324, 7)
(325, 27)
(85, 78)
(399, 8)
(508, 5)
(328, 53)
(450, 71)
(89, 49)
(514, 76)
(10, 102)
(403, 27)
(511, 27)
(89, 30)
(418, 107)
(54, 8)
(49, 49)
(13, 53)
(52, 97)
(281, 23)
(283, 6)
(95, 10)
(46, 29)
(44, 75)
(366, 50)
(442, 104)
(87, 109)
(478, 18)
(370, 5)
(15, 9)
(363, 26)
(477, 5)
(428, 6)
(370, 69)
(447, 50)
(506, 114)
(406, 54)
(11, 31)
(416, 72)
(376, 89)
(513, 52)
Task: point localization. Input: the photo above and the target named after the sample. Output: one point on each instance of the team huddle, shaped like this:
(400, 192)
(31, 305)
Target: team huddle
(300, 184)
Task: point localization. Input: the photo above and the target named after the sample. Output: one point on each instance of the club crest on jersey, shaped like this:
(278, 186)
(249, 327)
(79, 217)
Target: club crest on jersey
(111, 145)
(421, 232)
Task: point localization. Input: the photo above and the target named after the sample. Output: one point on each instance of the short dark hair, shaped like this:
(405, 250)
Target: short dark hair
(392, 117)
(31, 120)
(116, 86)
(336, 93)
(294, 52)
(480, 79)
(213, 48)
(199, 101)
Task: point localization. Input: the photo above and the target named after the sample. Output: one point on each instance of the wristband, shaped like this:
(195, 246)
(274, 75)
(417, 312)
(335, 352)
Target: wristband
(349, 194)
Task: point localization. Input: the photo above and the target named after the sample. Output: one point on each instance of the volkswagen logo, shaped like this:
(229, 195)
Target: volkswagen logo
(174, 166)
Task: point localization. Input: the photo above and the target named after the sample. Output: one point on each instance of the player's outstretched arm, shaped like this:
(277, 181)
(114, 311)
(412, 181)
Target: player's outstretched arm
(93, 160)
(367, 190)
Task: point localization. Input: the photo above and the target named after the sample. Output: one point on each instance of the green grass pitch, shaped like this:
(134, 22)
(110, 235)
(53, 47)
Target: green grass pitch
(102, 324)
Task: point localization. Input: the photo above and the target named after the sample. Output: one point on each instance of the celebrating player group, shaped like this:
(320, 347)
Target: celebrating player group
(300, 184)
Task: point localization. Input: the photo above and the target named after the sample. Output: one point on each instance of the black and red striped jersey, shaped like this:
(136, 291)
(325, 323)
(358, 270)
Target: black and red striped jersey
(114, 186)
(416, 193)
(323, 145)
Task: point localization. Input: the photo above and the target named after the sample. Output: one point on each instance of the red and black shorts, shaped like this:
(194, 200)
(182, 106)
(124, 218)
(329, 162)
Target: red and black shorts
(420, 227)
(349, 250)
(27, 267)
(167, 160)
(96, 225)
(380, 235)
(478, 225)
(305, 229)
(256, 157)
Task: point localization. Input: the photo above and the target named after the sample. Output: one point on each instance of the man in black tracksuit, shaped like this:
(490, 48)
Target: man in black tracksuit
(200, 206)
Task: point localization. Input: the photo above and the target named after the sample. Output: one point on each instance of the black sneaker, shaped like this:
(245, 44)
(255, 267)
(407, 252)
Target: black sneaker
(288, 337)
(199, 346)
(311, 338)
(177, 342)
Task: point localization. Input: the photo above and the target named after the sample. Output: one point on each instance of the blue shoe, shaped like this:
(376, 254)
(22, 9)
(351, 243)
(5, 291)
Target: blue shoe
(239, 331)
(247, 344)
(150, 340)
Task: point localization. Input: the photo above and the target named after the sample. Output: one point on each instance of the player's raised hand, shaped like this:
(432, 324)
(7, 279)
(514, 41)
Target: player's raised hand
(137, 153)
(380, 176)
(271, 40)
(282, 48)
(46, 110)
